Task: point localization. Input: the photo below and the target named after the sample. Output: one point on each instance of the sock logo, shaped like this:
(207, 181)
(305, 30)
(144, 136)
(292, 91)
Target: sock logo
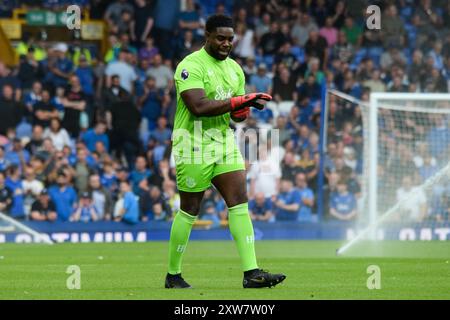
(181, 248)
(250, 239)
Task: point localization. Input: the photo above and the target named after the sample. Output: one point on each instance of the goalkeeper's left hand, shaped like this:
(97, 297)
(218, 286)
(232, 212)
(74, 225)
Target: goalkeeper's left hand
(240, 115)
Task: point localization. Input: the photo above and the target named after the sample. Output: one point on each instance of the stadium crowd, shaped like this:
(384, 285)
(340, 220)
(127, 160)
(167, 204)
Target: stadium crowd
(86, 137)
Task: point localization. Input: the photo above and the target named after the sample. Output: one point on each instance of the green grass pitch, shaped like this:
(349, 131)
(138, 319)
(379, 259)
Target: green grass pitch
(409, 270)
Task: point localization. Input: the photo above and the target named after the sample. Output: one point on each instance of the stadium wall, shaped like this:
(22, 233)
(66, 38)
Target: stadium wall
(159, 231)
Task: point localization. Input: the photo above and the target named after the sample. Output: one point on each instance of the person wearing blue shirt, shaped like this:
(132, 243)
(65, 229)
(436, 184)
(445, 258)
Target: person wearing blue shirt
(14, 183)
(86, 76)
(17, 155)
(130, 210)
(306, 197)
(343, 203)
(438, 138)
(139, 173)
(98, 133)
(64, 197)
(150, 102)
(260, 82)
(108, 178)
(161, 134)
(4, 163)
(60, 69)
(287, 204)
(260, 208)
(85, 212)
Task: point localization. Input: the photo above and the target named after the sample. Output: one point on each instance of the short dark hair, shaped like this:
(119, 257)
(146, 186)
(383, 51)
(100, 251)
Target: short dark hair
(218, 21)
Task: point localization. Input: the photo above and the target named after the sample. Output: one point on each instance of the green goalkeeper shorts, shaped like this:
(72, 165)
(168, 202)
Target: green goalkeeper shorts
(195, 172)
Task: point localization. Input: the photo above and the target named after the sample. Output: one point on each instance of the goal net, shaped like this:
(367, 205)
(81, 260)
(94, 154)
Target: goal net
(393, 150)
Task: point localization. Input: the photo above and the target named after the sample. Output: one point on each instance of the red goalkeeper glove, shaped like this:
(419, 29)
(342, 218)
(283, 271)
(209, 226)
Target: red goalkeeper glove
(249, 100)
(240, 115)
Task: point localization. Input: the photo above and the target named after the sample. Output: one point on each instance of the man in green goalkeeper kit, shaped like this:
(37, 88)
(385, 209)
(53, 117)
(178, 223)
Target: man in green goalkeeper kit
(210, 90)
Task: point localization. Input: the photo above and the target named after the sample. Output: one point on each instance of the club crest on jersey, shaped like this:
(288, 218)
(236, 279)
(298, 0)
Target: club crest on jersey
(184, 74)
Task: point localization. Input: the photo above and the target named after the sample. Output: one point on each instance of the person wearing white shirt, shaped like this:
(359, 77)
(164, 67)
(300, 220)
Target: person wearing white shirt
(125, 71)
(413, 202)
(264, 175)
(57, 135)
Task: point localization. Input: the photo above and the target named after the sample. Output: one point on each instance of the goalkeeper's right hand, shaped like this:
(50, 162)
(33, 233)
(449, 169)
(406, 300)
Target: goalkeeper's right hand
(249, 100)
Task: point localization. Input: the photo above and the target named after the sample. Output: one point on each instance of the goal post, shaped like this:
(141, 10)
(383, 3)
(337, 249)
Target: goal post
(405, 156)
(421, 105)
(10, 225)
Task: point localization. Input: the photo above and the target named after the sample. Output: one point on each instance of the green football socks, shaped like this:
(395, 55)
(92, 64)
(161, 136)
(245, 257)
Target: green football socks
(241, 229)
(179, 237)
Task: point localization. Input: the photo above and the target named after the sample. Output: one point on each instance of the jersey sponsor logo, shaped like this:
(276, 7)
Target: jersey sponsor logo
(221, 94)
(184, 74)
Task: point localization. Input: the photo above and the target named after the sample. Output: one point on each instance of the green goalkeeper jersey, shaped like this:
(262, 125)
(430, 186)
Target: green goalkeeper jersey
(221, 80)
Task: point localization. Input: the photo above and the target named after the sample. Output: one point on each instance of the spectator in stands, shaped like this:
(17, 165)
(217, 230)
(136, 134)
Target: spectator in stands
(17, 155)
(121, 67)
(289, 166)
(343, 50)
(261, 82)
(161, 73)
(85, 211)
(284, 86)
(11, 111)
(29, 69)
(6, 194)
(82, 170)
(286, 204)
(75, 102)
(58, 135)
(161, 134)
(343, 203)
(85, 74)
(64, 196)
(243, 45)
(96, 134)
(302, 28)
(154, 205)
(43, 209)
(59, 66)
(306, 198)
(316, 46)
(140, 172)
(124, 119)
(374, 83)
(272, 40)
(143, 21)
(129, 212)
(108, 178)
(32, 187)
(32, 97)
(260, 208)
(150, 102)
(413, 201)
(14, 183)
(189, 19)
(43, 110)
(149, 51)
(265, 175)
(329, 32)
(114, 11)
